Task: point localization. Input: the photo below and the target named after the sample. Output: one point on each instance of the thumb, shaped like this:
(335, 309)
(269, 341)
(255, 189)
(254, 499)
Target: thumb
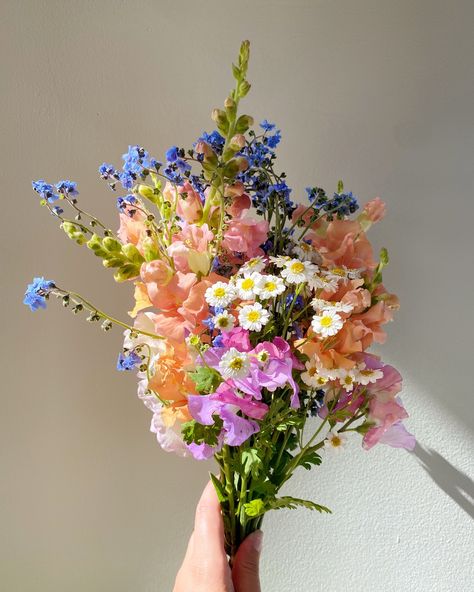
(246, 564)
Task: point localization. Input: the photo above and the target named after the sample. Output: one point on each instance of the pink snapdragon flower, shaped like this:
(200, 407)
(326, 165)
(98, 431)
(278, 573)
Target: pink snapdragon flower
(245, 235)
(188, 203)
(189, 249)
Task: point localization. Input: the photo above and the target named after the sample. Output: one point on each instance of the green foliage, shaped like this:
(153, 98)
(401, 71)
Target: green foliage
(251, 462)
(291, 503)
(193, 431)
(206, 379)
(259, 506)
(308, 459)
(218, 486)
(255, 508)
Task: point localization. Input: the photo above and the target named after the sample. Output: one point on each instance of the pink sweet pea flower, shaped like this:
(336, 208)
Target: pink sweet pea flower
(386, 415)
(374, 210)
(238, 338)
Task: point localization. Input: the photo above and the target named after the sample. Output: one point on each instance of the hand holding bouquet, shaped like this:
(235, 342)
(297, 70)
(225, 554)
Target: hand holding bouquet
(253, 315)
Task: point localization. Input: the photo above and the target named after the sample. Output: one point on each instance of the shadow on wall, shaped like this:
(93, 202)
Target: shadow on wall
(452, 481)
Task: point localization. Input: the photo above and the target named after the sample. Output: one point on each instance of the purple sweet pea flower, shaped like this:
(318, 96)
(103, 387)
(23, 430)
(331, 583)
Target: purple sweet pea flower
(203, 451)
(225, 403)
(398, 437)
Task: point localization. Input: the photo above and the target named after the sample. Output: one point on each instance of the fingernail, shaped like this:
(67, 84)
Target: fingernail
(257, 540)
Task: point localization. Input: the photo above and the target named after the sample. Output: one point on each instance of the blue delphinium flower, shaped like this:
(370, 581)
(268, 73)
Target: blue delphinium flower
(136, 163)
(273, 141)
(267, 126)
(123, 202)
(217, 341)
(67, 188)
(298, 301)
(37, 292)
(128, 361)
(45, 190)
(340, 205)
(107, 171)
(176, 168)
(172, 154)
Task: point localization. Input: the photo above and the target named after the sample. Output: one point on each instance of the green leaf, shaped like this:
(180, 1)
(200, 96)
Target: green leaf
(198, 433)
(291, 503)
(206, 379)
(309, 458)
(219, 488)
(251, 462)
(255, 508)
(340, 186)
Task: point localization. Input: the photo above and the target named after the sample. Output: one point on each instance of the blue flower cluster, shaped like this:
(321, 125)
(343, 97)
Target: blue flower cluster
(128, 361)
(123, 202)
(340, 205)
(176, 166)
(260, 155)
(52, 193)
(136, 163)
(37, 292)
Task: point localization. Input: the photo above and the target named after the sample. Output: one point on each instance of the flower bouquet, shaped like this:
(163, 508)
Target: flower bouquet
(253, 315)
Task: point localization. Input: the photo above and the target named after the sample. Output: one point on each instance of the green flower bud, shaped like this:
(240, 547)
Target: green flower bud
(243, 123)
(112, 244)
(152, 195)
(150, 250)
(74, 233)
(127, 272)
(132, 253)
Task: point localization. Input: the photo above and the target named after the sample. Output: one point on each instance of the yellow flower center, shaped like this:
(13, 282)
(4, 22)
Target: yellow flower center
(326, 322)
(366, 372)
(338, 271)
(348, 380)
(248, 284)
(270, 286)
(236, 364)
(297, 267)
(321, 380)
(223, 322)
(336, 441)
(312, 371)
(219, 292)
(252, 262)
(253, 315)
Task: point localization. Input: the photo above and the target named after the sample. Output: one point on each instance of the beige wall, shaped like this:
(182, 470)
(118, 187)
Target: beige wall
(379, 92)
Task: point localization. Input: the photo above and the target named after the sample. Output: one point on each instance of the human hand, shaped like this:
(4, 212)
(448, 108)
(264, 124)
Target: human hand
(205, 567)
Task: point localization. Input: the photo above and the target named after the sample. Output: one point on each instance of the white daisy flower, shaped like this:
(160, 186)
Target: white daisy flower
(335, 441)
(254, 264)
(253, 316)
(234, 364)
(269, 286)
(246, 286)
(342, 273)
(224, 321)
(348, 378)
(281, 260)
(312, 377)
(327, 323)
(319, 282)
(306, 252)
(367, 376)
(320, 304)
(220, 294)
(298, 272)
